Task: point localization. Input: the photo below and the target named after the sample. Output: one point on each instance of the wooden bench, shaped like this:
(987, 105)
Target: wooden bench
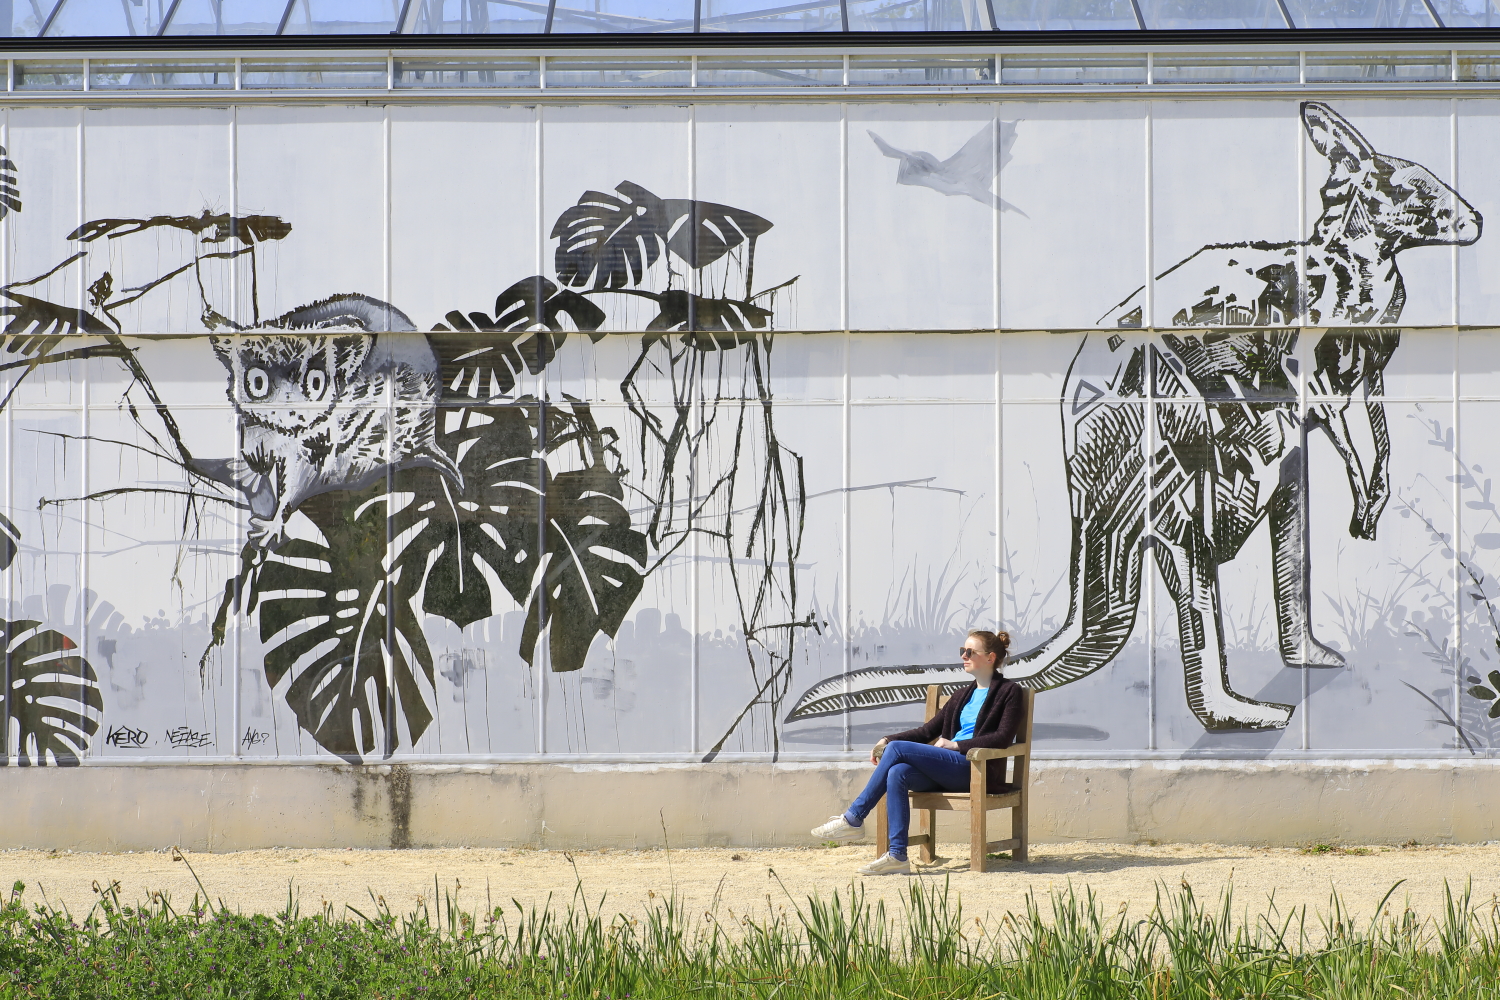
(1014, 796)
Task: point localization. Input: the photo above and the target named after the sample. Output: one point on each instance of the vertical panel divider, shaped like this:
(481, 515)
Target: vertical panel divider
(695, 277)
(998, 214)
(1454, 180)
(83, 441)
(847, 610)
(998, 576)
(1456, 547)
(236, 546)
(1300, 323)
(1148, 571)
(389, 419)
(1453, 474)
(538, 660)
(7, 588)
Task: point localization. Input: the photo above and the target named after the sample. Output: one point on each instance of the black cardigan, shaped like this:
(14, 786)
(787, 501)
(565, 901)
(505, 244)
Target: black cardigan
(999, 718)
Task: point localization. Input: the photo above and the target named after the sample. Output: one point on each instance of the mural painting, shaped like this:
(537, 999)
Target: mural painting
(624, 506)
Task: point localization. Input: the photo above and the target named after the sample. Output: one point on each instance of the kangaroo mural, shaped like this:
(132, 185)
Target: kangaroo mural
(1226, 443)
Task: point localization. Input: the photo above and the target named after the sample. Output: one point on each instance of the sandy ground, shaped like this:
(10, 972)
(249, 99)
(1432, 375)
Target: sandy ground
(742, 880)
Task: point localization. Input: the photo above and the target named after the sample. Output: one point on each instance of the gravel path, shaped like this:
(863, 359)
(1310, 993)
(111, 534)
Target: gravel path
(258, 881)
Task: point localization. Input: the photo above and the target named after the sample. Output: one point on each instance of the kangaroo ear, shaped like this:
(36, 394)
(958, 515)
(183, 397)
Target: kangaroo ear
(1334, 137)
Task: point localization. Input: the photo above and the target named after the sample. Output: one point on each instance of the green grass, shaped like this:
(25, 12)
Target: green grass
(1066, 946)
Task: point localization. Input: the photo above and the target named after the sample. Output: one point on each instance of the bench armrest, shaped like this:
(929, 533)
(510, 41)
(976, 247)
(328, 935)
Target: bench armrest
(979, 753)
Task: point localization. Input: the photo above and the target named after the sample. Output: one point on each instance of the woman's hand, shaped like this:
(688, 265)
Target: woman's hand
(945, 744)
(876, 751)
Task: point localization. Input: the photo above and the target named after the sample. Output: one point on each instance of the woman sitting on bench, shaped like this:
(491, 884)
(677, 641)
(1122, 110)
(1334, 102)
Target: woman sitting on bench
(931, 757)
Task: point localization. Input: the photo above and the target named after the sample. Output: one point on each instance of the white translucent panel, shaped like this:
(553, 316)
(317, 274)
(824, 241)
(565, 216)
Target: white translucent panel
(155, 197)
(1220, 67)
(742, 162)
(1184, 15)
(922, 208)
(597, 72)
(319, 171)
(313, 73)
(462, 72)
(1064, 15)
(1372, 66)
(227, 17)
(604, 164)
(1478, 124)
(1077, 182)
(918, 15)
(775, 71)
(438, 197)
(1413, 214)
(105, 17)
(41, 74)
(1468, 13)
(1073, 68)
(477, 17)
(1360, 14)
(177, 75)
(574, 16)
(1199, 152)
(342, 17)
(758, 15)
(904, 71)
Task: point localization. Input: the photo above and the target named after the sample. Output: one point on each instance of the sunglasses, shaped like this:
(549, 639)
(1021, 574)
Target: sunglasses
(965, 652)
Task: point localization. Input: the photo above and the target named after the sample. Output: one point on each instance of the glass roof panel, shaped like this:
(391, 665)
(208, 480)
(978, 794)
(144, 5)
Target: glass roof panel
(918, 15)
(1221, 15)
(342, 17)
(1064, 15)
(756, 15)
(599, 16)
(1360, 14)
(105, 17)
(143, 18)
(27, 17)
(478, 17)
(1468, 13)
(226, 17)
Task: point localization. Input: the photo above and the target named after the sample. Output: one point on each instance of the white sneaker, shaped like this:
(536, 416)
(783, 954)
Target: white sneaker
(837, 828)
(887, 865)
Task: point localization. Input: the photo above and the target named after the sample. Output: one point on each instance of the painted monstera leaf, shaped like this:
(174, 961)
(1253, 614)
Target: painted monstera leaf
(51, 696)
(339, 628)
(560, 544)
(610, 240)
(482, 356)
(710, 324)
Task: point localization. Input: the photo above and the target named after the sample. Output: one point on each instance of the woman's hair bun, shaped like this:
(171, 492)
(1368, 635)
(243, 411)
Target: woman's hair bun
(994, 642)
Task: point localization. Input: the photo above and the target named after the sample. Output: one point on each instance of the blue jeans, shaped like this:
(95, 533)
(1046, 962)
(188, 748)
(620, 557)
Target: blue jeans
(908, 767)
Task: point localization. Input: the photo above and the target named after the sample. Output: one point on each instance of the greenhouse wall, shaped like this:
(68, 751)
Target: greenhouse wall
(384, 472)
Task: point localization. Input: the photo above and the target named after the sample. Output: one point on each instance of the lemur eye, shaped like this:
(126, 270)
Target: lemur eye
(314, 383)
(257, 383)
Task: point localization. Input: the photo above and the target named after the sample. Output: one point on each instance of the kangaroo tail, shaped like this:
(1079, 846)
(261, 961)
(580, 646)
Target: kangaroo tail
(875, 687)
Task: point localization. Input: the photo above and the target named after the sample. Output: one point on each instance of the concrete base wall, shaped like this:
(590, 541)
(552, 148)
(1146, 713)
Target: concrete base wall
(227, 807)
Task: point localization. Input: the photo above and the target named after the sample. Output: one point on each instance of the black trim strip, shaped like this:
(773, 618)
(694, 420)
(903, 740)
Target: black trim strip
(1371, 38)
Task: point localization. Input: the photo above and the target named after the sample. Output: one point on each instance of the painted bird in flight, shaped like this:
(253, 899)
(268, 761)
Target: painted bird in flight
(970, 171)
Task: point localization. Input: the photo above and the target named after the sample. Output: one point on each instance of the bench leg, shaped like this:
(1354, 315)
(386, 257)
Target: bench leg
(1018, 832)
(882, 829)
(928, 850)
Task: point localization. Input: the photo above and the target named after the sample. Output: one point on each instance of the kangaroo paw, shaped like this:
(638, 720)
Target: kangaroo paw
(1228, 712)
(1315, 654)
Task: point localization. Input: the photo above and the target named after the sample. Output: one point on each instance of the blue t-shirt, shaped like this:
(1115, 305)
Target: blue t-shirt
(970, 715)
